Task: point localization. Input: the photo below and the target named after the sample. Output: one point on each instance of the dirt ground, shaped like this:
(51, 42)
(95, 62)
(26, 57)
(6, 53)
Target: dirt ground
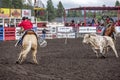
(59, 61)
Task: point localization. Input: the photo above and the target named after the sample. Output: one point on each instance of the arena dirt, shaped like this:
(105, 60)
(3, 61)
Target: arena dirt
(59, 61)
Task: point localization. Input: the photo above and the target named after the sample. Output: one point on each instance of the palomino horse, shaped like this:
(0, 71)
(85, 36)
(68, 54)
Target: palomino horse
(30, 42)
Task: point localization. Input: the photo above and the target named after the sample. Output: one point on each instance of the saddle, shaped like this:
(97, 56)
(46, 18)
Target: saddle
(30, 32)
(19, 42)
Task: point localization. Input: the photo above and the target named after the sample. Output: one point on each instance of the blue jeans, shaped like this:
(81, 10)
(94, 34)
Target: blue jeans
(43, 36)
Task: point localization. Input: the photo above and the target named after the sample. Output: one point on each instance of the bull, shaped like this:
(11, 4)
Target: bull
(100, 43)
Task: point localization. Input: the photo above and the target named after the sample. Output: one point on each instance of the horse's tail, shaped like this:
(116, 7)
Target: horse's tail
(29, 47)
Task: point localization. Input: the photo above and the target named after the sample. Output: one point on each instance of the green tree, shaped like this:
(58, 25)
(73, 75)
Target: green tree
(78, 13)
(70, 13)
(50, 10)
(6, 3)
(17, 4)
(60, 9)
(117, 3)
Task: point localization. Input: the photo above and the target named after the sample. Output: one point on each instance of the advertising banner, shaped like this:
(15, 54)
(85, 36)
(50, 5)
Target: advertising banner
(117, 28)
(26, 13)
(4, 12)
(87, 29)
(63, 35)
(16, 13)
(65, 29)
(53, 29)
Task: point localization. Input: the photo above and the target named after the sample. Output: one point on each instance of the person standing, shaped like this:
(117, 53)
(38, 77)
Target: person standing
(44, 33)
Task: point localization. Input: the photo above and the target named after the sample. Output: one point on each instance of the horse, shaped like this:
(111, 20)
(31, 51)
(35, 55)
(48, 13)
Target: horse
(30, 42)
(110, 30)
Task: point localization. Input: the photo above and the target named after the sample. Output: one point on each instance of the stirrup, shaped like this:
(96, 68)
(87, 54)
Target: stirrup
(18, 43)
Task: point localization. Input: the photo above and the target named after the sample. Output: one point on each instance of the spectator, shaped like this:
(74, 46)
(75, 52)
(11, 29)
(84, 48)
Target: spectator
(72, 23)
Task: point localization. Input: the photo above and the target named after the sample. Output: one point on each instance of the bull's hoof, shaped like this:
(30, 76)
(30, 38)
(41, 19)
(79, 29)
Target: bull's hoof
(17, 62)
(102, 57)
(36, 63)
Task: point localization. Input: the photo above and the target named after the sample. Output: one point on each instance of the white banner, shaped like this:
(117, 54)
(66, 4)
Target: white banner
(65, 29)
(63, 35)
(53, 29)
(26, 12)
(117, 28)
(87, 29)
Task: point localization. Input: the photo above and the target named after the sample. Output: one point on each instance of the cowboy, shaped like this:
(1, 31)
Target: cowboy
(104, 29)
(107, 26)
(25, 25)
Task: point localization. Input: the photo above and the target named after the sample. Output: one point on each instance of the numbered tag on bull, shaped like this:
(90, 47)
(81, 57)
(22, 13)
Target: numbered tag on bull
(42, 42)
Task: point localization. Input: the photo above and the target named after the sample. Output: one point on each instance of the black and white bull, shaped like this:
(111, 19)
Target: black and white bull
(101, 43)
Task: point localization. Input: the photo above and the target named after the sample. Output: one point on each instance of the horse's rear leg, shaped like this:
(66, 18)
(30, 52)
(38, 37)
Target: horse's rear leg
(22, 56)
(34, 52)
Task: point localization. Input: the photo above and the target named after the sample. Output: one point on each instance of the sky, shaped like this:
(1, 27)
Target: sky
(76, 3)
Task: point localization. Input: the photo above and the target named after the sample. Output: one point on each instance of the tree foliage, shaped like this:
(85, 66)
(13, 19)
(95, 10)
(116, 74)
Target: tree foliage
(17, 4)
(117, 3)
(50, 10)
(60, 9)
(50, 13)
(74, 13)
(6, 3)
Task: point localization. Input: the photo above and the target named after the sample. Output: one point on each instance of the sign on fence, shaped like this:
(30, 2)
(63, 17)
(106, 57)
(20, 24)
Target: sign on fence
(63, 35)
(117, 28)
(87, 29)
(65, 29)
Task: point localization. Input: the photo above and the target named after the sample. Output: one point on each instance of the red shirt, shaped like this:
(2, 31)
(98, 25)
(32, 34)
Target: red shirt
(26, 24)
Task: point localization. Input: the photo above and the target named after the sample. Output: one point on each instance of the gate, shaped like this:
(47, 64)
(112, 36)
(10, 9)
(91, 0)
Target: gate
(9, 33)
